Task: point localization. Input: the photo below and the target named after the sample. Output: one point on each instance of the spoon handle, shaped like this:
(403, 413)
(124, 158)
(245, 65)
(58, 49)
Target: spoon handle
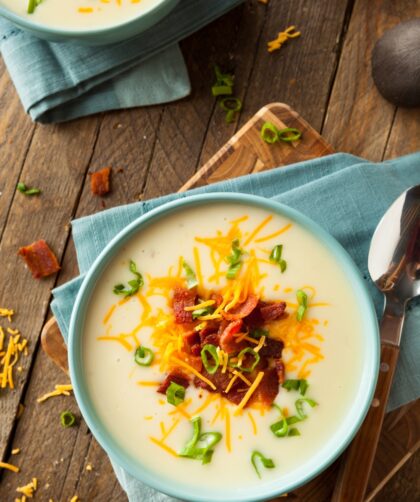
(356, 464)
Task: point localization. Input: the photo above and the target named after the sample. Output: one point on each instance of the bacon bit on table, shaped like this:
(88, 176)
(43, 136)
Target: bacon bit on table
(282, 37)
(100, 181)
(39, 258)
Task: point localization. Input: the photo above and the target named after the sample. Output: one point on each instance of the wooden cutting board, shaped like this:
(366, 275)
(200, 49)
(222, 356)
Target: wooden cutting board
(247, 153)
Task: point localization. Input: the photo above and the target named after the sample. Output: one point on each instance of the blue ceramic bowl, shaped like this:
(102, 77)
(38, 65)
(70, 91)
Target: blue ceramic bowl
(341, 433)
(97, 36)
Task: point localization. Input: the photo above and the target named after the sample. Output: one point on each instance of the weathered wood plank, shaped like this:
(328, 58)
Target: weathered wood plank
(359, 120)
(56, 163)
(405, 133)
(16, 132)
(290, 75)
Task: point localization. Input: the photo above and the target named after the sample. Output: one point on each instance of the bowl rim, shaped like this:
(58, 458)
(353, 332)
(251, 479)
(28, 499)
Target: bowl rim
(82, 33)
(346, 429)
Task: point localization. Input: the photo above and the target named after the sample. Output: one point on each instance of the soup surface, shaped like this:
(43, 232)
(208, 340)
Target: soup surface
(211, 311)
(79, 14)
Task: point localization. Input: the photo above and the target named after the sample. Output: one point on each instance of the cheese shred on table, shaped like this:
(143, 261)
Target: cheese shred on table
(12, 344)
(60, 390)
(29, 489)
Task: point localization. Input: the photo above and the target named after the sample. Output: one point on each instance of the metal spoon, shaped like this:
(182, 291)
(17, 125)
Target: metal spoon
(394, 265)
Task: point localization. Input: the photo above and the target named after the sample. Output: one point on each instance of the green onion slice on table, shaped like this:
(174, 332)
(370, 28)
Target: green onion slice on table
(67, 419)
(231, 106)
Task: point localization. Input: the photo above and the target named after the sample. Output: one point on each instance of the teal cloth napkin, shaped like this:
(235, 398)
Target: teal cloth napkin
(344, 194)
(57, 82)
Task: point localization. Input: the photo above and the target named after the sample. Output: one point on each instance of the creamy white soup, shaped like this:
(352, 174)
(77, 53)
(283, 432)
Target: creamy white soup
(79, 14)
(248, 327)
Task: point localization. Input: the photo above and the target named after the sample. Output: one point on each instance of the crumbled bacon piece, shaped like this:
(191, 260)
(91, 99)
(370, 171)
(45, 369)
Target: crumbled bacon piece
(192, 342)
(39, 258)
(268, 389)
(209, 334)
(227, 338)
(242, 310)
(183, 298)
(281, 370)
(221, 381)
(175, 376)
(272, 311)
(100, 182)
(217, 298)
(271, 348)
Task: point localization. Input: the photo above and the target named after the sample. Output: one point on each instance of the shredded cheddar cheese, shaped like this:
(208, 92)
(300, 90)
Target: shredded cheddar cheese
(249, 392)
(10, 467)
(29, 489)
(10, 356)
(282, 37)
(60, 390)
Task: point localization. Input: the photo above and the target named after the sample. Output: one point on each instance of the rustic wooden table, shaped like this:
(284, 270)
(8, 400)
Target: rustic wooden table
(324, 75)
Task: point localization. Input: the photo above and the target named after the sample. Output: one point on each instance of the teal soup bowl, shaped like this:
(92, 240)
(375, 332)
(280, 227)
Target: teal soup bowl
(180, 292)
(90, 32)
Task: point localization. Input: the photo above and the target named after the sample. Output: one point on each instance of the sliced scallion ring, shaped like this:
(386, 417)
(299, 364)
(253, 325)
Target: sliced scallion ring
(210, 350)
(259, 457)
(241, 355)
(143, 356)
(289, 134)
(175, 394)
(269, 133)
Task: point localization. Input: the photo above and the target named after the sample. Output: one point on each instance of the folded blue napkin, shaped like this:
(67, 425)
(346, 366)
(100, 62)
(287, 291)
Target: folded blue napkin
(344, 194)
(62, 81)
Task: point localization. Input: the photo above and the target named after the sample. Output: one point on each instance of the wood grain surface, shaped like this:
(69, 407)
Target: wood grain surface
(324, 75)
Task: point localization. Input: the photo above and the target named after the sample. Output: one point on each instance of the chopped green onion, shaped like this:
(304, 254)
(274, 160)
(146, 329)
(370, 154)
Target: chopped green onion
(192, 281)
(203, 311)
(299, 406)
(231, 106)
(143, 356)
(275, 257)
(259, 332)
(175, 394)
(27, 191)
(302, 299)
(135, 284)
(303, 387)
(234, 260)
(221, 90)
(31, 6)
(269, 133)
(212, 350)
(199, 447)
(281, 428)
(224, 83)
(67, 419)
(266, 462)
(248, 350)
(293, 420)
(289, 134)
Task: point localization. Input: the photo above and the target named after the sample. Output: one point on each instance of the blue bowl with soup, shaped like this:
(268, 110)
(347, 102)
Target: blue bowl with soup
(92, 22)
(223, 347)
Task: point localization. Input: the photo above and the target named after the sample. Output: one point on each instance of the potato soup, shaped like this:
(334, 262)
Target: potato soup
(79, 14)
(222, 335)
